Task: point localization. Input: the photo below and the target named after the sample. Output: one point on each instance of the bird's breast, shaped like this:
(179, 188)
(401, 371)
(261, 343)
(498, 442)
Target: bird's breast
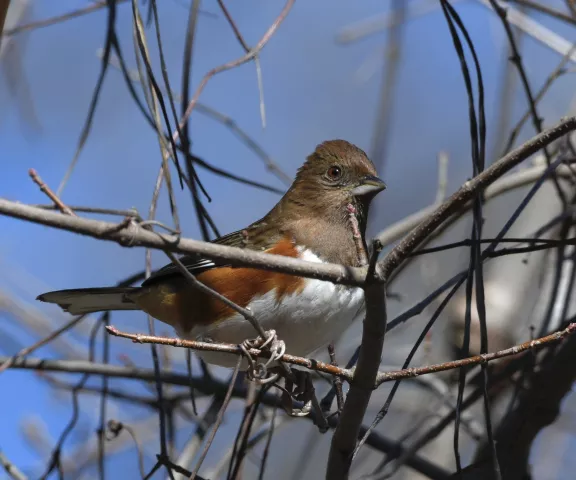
(305, 319)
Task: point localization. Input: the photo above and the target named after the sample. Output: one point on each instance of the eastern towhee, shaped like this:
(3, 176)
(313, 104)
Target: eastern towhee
(310, 222)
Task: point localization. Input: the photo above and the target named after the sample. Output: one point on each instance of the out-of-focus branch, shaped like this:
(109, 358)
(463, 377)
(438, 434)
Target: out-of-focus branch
(536, 30)
(95, 6)
(377, 23)
(11, 469)
(247, 49)
(38, 324)
(211, 386)
(505, 184)
(4, 5)
(383, 123)
(41, 342)
(539, 7)
(253, 53)
(220, 117)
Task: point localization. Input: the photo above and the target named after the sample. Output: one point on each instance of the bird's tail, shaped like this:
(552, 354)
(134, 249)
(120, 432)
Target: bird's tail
(89, 300)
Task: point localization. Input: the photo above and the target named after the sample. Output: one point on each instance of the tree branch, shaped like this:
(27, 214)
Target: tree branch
(362, 385)
(212, 386)
(374, 328)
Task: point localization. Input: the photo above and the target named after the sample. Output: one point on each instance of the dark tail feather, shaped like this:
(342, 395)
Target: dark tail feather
(89, 300)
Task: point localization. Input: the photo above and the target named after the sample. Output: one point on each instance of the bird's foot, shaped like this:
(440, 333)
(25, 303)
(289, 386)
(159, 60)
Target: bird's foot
(298, 387)
(259, 371)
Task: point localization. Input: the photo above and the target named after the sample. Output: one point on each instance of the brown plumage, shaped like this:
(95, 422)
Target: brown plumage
(311, 216)
(171, 300)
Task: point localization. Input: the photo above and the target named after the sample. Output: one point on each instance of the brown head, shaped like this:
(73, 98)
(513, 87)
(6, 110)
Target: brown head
(314, 211)
(336, 174)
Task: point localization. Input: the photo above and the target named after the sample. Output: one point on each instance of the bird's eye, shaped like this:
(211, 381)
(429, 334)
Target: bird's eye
(334, 172)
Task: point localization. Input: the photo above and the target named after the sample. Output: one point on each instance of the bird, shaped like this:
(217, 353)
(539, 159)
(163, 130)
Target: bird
(310, 222)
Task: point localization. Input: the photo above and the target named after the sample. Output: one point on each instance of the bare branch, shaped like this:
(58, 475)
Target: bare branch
(235, 350)
(478, 359)
(129, 233)
(362, 385)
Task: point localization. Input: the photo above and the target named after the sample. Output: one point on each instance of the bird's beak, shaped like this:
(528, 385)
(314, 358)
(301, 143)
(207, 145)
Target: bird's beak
(368, 185)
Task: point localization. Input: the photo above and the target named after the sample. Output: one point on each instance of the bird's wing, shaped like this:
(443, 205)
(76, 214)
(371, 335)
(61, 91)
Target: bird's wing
(196, 263)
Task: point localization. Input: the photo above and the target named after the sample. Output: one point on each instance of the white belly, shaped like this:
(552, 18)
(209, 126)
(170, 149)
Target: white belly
(305, 321)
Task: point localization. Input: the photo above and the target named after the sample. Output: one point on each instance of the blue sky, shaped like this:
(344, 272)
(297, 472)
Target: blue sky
(311, 93)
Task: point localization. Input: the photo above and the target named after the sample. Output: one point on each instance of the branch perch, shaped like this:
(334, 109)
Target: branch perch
(348, 373)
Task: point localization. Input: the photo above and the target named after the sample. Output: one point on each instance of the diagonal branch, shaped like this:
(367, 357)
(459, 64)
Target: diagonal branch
(374, 328)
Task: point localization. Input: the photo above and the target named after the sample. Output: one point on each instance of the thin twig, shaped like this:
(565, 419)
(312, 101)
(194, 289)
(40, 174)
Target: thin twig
(218, 421)
(552, 77)
(59, 18)
(256, 60)
(100, 211)
(49, 193)
(477, 359)
(253, 401)
(247, 314)
(234, 350)
(115, 429)
(225, 120)
(47, 339)
(240, 61)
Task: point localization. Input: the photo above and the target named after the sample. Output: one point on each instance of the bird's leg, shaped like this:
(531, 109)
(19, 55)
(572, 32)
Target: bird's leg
(337, 381)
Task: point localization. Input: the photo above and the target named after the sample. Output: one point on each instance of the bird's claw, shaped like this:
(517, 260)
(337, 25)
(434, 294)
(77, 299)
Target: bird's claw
(300, 388)
(258, 371)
